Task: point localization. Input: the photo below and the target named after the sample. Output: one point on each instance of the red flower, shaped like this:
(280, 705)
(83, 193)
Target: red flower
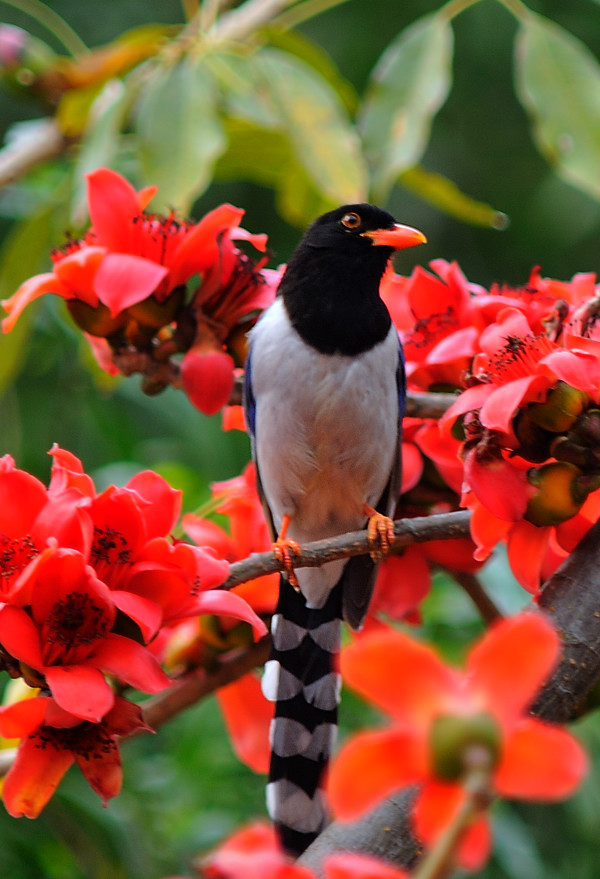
(129, 255)
(255, 853)
(67, 636)
(52, 740)
(489, 702)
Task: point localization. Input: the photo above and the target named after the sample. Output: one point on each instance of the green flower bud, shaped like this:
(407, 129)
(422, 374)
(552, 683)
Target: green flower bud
(559, 493)
(562, 406)
(453, 738)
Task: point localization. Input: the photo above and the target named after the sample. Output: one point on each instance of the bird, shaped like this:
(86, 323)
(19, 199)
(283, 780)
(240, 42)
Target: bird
(324, 393)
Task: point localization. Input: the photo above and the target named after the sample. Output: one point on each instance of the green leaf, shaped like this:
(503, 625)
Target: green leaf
(22, 255)
(558, 82)
(180, 134)
(445, 195)
(324, 141)
(266, 157)
(408, 86)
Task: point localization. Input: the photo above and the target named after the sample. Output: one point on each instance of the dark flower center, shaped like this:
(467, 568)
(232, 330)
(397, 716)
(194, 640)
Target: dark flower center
(15, 554)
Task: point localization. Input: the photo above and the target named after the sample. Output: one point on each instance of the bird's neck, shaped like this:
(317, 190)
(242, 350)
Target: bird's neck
(336, 312)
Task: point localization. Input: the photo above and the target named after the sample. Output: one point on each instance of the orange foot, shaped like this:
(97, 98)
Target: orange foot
(283, 549)
(380, 531)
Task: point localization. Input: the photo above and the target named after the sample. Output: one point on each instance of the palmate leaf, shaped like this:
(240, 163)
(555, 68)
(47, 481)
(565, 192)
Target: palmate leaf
(557, 80)
(408, 86)
(179, 131)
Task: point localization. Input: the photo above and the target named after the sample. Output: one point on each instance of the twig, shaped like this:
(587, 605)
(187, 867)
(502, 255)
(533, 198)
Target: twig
(243, 21)
(34, 143)
(443, 526)
(482, 601)
(199, 683)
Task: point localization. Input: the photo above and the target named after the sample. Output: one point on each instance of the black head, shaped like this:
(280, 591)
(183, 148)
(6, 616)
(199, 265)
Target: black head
(331, 284)
(356, 228)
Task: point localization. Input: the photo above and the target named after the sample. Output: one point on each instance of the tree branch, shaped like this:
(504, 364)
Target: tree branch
(200, 682)
(31, 143)
(407, 531)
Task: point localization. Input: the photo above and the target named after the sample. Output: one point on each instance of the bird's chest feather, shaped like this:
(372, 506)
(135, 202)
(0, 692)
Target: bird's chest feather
(326, 427)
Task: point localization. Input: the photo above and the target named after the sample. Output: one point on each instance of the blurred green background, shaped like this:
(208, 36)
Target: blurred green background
(183, 788)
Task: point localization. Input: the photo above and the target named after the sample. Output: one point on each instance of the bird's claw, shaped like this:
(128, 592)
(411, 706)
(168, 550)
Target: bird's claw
(380, 533)
(283, 549)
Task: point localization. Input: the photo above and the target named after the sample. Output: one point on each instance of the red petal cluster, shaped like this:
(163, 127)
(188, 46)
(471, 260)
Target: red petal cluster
(88, 580)
(519, 444)
(145, 287)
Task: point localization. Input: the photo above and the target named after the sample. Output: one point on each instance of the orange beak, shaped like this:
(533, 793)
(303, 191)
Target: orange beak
(399, 237)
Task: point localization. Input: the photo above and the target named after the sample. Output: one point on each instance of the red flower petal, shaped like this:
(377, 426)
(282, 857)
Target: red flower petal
(200, 248)
(131, 662)
(371, 767)
(247, 716)
(580, 369)
(230, 605)
(34, 776)
(22, 718)
(510, 663)
(113, 203)
(78, 270)
(124, 279)
(29, 290)
(401, 676)
(402, 583)
(540, 762)
(163, 503)
(80, 690)
(145, 613)
(20, 637)
(527, 545)
(500, 486)
(435, 808)
(22, 497)
(351, 865)
(501, 405)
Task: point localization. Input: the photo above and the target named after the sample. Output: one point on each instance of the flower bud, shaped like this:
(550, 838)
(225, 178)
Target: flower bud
(151, 312)
(207, 377)
(96, 321)
(559, 493)
(560, 409)
(454, 736)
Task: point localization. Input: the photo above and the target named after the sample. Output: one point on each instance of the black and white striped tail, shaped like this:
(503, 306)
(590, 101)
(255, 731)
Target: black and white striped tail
(302, 679)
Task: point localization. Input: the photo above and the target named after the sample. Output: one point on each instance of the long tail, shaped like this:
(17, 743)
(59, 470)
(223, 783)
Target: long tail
(302, 679)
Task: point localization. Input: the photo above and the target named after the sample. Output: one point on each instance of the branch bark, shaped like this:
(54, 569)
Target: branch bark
(442, 526)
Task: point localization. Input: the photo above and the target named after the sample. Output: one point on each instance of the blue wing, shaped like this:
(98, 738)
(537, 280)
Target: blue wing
(248, 398)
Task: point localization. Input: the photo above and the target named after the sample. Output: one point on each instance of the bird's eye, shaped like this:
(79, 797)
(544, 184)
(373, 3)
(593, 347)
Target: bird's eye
(351, 220)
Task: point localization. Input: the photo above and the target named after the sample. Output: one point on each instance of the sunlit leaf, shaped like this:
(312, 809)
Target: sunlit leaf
(180, 134)
(445, 195)
(408, 86)
(296, 43)
(323, 139)
(558, 82)
(253, 153)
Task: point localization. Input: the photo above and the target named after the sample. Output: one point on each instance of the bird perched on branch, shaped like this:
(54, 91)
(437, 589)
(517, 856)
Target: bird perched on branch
(324, 399)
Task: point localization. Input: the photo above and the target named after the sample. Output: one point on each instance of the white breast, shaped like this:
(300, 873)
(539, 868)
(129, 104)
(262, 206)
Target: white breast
(326, 435)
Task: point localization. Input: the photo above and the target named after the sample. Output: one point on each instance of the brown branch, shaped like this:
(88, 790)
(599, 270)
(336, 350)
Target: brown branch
(199, 683)
(482, 601)
(36, 142)
(443, 526)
